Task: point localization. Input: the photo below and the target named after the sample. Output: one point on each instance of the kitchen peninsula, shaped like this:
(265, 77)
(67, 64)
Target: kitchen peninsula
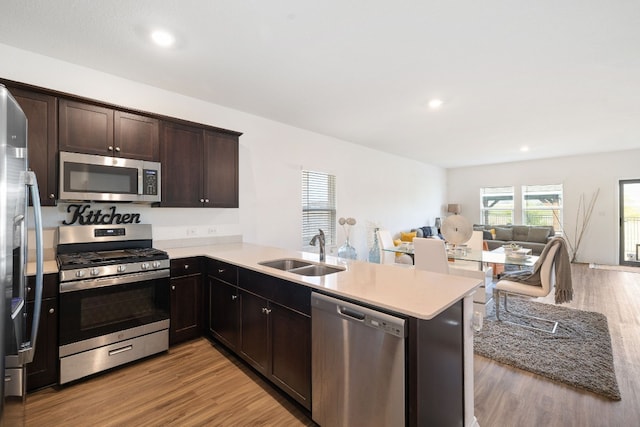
(437, 309)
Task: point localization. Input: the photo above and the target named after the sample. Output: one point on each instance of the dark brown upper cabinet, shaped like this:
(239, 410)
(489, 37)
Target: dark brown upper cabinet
(199, 167)
(221, 169)
(42, 133)
(93, 129)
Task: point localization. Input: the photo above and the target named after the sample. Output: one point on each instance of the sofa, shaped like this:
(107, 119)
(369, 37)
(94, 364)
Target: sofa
(533, 237)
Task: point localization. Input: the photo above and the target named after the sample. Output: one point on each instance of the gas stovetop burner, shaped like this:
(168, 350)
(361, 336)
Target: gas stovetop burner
(108, 254)
(98, 258)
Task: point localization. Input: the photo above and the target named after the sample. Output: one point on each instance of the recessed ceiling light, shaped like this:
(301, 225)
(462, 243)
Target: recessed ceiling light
(434, 104)
(524, 148)
(163, 38)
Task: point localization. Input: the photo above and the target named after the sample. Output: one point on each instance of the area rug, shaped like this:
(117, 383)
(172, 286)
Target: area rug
(578, 354)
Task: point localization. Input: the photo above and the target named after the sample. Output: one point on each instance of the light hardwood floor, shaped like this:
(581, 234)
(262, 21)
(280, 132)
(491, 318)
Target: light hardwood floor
(506, 396)
(197, 384)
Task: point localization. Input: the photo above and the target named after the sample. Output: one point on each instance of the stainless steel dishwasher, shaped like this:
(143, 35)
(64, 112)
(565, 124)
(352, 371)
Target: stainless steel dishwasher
(357, 370)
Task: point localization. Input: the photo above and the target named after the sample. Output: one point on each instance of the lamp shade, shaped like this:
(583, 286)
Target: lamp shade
(453, 208)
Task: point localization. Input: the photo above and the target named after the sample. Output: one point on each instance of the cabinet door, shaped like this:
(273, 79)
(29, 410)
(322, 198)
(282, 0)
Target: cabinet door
(41, 111)
(186, 300)
(181, 156)
(85, 128)
(221, 170)
(291, 353)
(254, 330)
(224, 312)
(43, 370)
(136, 137)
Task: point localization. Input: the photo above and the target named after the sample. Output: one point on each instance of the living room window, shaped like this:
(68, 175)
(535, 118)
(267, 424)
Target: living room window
(542, 205)
(496, 205)
(318, 207)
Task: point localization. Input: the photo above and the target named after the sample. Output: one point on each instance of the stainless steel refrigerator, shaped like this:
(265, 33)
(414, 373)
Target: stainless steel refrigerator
(16, 348)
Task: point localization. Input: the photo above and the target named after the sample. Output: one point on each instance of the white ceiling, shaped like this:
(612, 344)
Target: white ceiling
(559, 76)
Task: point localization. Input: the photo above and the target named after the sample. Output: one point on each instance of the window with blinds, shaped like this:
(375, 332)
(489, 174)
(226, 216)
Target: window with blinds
(542, 205)
(318, 206)
(496, 205)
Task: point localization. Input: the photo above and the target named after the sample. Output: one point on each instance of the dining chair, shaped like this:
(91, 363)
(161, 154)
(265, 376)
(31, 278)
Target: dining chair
(506, 287)
(476, 240)
(475, 243)
(430, 255)
(386, 242)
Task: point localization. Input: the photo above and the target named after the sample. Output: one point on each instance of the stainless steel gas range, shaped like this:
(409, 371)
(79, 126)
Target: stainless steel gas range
(114, 298)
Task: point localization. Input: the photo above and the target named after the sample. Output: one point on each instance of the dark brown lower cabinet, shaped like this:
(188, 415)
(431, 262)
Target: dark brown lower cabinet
(224, 310)
(291, 352)
(43, 370)
(254, 330)
(275, 332)
(186, 300)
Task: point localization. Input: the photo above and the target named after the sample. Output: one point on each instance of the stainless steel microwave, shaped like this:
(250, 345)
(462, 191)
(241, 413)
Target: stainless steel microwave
(108, 179)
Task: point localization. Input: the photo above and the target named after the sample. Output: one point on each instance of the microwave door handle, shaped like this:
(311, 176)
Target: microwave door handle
(28, 350)
(140, 180)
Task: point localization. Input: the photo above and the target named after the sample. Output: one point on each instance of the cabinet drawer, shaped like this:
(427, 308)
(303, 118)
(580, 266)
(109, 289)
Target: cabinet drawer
(49, 286)
(292, 295)
(185, 266)
(257, 283)
(223, 271)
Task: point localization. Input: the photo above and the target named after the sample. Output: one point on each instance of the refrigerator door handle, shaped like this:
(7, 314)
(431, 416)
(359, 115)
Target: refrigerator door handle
(28, 349)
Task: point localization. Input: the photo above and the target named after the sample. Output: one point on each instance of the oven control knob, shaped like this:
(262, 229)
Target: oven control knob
(144, 266)
(80, 273)
(156, 264)
(122, 268)
(95, 271)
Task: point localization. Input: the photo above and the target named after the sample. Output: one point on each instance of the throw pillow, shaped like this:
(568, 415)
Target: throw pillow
(505, 234)
(407, 237)
(538, 234)
(520, 233)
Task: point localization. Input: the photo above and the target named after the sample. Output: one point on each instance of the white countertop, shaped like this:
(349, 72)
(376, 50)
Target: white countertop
(404, 290)
(49, 267)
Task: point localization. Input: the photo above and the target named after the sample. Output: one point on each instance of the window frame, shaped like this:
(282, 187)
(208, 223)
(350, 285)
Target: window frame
(318, 207)
(556, 219)
(485, 212)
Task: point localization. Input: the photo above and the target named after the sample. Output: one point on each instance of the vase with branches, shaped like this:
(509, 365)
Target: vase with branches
(583, 217)
(346, 250)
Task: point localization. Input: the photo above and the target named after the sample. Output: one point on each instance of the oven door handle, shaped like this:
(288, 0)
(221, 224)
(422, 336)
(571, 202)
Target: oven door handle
(79, 285)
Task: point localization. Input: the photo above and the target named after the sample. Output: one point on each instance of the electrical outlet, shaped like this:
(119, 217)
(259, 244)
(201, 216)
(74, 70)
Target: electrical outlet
(191, 231)
(212, 230)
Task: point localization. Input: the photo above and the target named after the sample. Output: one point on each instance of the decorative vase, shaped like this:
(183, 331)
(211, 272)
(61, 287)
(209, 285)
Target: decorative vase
(374, 252)
(347, 251)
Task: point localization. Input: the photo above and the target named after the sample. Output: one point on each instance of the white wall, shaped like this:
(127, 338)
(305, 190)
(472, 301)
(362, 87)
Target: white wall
(372, 186)
(580, 175)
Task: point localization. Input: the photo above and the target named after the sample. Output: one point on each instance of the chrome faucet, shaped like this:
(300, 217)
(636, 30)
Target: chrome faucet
(319, 237)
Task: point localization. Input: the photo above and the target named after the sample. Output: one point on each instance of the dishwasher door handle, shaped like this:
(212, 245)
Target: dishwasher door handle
(347, 312)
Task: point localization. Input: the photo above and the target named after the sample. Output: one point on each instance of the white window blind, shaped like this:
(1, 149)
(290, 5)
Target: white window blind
(318, 206)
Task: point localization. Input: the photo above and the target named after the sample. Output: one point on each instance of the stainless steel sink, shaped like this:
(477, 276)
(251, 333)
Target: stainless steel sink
(285, 264)
(316, 270)
(302, 267)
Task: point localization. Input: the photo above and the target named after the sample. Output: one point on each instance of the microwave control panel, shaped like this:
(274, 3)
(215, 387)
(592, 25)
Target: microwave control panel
(150, 182)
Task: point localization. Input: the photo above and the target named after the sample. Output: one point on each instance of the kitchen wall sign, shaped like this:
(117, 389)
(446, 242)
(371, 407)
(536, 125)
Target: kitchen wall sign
(84, 216)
